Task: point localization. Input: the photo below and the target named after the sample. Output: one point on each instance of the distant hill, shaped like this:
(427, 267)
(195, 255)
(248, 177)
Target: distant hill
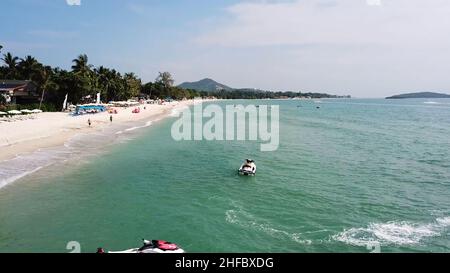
(213, 88)
(207, 85)
(420, 95)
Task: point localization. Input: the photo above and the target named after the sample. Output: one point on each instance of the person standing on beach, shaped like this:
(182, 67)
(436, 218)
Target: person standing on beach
(110, 118)
(89, 122)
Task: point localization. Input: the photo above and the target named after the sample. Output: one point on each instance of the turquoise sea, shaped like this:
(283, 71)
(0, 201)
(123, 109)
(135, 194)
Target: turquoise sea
(348, 176)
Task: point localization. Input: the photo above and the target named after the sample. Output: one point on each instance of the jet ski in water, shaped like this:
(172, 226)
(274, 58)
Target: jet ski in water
(154, 246)
(248, 168)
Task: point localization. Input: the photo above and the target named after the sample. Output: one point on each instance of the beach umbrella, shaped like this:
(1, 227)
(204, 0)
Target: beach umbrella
(26, 111)
(14, 112)
(35, 111)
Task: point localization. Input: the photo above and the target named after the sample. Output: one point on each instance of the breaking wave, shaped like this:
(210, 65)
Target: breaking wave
(147, 124)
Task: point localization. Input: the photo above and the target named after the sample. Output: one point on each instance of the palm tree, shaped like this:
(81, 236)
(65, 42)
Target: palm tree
(81, 64)
(10, 60)
(29, 67)
(104, 78)
(11, 63)
(47, 77)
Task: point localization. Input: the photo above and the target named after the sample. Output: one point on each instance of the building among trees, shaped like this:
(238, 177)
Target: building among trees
(20, 92)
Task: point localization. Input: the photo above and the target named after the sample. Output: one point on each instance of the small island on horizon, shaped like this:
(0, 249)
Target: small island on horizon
(420, 95)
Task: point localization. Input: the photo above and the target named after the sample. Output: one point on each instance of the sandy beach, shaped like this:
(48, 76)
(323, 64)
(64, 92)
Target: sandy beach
(54, 129)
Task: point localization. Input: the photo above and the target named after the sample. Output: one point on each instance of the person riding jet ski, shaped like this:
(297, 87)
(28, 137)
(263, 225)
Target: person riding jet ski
(248, 168)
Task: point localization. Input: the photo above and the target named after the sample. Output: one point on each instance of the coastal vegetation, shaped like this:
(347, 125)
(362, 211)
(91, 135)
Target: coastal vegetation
(261, 94)
(83, 81)
(213, 88)
(420, 95)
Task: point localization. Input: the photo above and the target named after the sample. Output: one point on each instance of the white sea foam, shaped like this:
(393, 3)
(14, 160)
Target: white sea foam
(23, 165)
(176, 111)
(147, 124)
(8, 179)
(437, 103)
(79, 145)
(247, 220)
(393, 233)
(445, 221)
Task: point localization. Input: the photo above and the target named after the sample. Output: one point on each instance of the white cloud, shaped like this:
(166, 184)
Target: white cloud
(73, 2)
(333, 22)
(365, 48)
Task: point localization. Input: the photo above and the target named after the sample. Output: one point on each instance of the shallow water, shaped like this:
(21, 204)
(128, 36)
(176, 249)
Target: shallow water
(349, 175)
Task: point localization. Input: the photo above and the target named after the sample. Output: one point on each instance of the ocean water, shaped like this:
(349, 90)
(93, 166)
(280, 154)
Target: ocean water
(350, 176)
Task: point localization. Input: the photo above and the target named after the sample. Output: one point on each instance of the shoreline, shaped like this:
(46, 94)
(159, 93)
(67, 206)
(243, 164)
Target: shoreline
(50, 130)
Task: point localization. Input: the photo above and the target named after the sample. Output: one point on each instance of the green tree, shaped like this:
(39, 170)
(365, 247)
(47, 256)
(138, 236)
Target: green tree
(29, 68)
(47, 74)
(63, 82)
(103, 81)
(84, 77)
(165, 78)
(11, 63)
(81, 64)
(132, 85)
(148, 89)
(163, 85)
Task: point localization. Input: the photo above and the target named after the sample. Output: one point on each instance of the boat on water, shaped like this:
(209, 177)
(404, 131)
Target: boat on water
(153, 246)
(248, 168)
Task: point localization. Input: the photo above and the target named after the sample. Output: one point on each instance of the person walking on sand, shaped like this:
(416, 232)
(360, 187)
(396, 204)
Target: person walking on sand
(110, 118)
(89, 122)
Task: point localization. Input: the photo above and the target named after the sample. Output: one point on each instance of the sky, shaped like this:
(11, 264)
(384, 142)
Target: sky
(365, 48)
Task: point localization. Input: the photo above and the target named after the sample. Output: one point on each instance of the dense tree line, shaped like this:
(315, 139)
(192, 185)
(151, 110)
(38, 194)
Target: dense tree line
(163, 88)
(260, 94)
(84, 81)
